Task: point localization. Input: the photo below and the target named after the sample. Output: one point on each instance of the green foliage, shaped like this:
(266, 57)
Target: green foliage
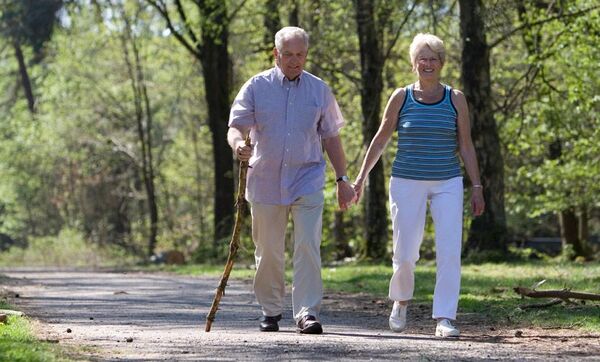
(28, 177)
(567, 254)
(526, 254)
(75, 166)
(483, 256)
(67, 249)
(551, 141)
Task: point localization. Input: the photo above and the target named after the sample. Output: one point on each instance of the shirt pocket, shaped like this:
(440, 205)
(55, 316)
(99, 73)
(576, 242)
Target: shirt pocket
(268, 113)
(307, 119)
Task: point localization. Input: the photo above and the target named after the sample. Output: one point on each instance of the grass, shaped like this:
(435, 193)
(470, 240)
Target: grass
(17, 342)
(486, 288)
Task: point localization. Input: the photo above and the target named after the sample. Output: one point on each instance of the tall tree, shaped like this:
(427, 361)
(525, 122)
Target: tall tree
(488, 232)
(371, 61)
(207, 42)
(371, 23)
(143, 118)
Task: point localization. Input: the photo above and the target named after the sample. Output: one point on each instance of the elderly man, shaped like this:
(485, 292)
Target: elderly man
(289, 114)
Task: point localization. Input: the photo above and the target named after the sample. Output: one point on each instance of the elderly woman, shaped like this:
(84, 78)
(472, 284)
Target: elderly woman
(432, 120)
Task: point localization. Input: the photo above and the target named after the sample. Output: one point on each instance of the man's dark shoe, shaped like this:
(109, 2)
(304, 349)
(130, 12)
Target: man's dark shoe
(309, 325)
(269, 324)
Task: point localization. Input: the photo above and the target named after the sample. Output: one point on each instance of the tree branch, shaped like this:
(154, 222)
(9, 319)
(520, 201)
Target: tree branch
(162, 9)
(513, 95)
(540, 22)
(351, 78)
(562, 294)
(391, 45)
(181, 13)
(236, 10)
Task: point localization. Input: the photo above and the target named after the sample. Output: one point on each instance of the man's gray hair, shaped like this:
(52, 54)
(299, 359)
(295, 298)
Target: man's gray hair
(290, 32)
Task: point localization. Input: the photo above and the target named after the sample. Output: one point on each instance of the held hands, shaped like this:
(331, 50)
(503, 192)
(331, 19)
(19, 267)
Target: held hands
(345, 195)
(358, 190)
(243, 152)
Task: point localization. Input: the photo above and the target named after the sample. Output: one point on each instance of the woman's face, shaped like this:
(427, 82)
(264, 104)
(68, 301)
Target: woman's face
(428, 64)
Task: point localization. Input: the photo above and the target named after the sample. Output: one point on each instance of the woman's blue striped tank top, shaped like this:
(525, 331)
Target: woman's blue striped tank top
(427, 139)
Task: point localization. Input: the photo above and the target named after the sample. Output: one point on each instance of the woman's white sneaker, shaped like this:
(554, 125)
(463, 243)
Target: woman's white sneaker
(446, 329)
(398, 317)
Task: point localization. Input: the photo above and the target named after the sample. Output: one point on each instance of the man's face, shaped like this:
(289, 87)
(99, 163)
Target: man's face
(292, 57)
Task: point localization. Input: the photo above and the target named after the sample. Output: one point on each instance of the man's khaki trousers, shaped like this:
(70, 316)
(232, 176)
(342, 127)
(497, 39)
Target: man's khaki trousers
(269, 223)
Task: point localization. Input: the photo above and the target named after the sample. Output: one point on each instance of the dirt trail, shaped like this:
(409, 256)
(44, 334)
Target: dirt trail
(163, 318)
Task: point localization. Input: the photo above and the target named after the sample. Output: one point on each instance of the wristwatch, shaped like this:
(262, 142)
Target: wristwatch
(343, 178)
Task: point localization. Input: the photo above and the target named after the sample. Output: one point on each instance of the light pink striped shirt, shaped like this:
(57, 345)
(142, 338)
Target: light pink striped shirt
(287, 121)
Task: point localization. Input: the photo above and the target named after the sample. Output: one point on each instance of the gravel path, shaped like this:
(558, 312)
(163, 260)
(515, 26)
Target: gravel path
(142, 316)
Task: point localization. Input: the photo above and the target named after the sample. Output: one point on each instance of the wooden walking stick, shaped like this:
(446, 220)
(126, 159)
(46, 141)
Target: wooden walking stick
(234, 244)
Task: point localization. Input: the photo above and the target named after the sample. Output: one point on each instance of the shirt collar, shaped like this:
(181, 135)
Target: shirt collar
(283, 80)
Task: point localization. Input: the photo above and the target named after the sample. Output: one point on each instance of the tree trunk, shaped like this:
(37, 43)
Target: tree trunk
(294, 15)
(488, 232)
(25, 80)
(340, 237)
(211, 50)
(584, 229)
(569, 231)
(143, 113)
(570, 226)
(217, 86)
(372, 61)
(146, 139)
(199, 178)
(272, 25)
(149, 175)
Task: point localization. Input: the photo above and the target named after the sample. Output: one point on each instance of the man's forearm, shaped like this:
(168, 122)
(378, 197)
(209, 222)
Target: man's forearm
(335, 152)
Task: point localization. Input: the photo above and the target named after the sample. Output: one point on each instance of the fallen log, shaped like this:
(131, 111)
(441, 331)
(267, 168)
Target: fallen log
(564, 294)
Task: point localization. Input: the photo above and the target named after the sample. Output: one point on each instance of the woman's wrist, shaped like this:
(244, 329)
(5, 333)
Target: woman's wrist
(359, 181)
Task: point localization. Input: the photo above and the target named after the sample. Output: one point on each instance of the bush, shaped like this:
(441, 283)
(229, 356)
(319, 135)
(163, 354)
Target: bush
(67, 249)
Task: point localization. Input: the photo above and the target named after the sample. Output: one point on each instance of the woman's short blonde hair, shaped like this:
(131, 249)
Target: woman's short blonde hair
(425, 39)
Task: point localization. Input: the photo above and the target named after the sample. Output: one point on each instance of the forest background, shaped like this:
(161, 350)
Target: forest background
(113, 121)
